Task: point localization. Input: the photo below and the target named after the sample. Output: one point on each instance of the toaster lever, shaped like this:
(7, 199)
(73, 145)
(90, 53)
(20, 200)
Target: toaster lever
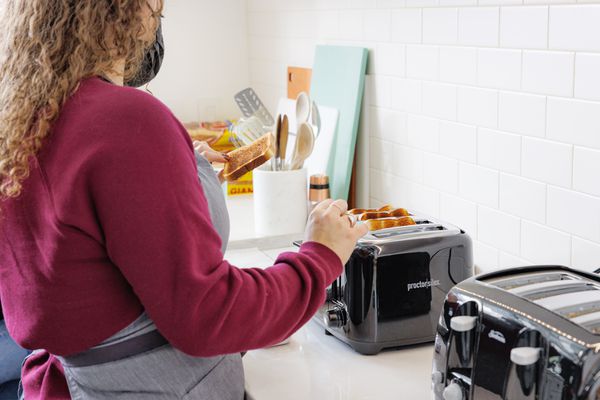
(525, 356)
(454, 391)
(463, 323)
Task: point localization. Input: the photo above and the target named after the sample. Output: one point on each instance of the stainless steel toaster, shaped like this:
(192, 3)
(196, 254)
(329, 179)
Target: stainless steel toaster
(394, 285)
(525, 333)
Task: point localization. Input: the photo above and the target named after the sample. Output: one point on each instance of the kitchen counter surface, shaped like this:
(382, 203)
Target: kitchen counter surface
(313, 366)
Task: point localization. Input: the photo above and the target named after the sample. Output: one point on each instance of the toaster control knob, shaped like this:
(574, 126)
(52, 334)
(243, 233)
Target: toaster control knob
(453, 392)
(335, 318)
(463, 323)
(437, 378)
(525, 356)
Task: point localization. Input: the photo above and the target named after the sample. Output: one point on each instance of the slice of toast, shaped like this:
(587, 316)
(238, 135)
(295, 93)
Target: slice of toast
(385, 223)
(247, 158)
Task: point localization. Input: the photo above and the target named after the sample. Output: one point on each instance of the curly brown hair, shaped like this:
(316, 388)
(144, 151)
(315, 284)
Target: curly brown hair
(46, 49)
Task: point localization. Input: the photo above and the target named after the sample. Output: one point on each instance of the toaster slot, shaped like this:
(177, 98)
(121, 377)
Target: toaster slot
(590, 319)
(578, 310)
(559, 290)
(553, 303)
(531, 290)
(520, 281)
(422, 226)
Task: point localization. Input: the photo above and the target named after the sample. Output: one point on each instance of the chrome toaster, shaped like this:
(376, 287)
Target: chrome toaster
(394, 285)
(525, 333)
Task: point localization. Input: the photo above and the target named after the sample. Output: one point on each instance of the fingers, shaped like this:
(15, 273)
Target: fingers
(322, 206)
(211, 155)
(339, 205)
(214, 156)
(360, 230)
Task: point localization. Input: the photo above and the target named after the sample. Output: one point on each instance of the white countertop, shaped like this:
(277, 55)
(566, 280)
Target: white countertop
(313, 365)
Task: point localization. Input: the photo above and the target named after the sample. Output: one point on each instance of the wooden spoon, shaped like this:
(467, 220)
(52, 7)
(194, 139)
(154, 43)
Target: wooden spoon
(305, 141)
(283, 140)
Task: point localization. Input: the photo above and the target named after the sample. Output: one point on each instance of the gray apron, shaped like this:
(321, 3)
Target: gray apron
(165, 372)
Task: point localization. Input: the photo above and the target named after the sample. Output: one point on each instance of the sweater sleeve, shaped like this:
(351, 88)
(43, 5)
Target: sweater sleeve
(158, 232)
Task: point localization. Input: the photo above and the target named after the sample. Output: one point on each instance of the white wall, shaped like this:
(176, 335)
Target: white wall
(206, 60)
(485, 113)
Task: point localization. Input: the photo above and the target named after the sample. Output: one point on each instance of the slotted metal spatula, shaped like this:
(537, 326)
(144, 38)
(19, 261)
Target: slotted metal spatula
(251, 106)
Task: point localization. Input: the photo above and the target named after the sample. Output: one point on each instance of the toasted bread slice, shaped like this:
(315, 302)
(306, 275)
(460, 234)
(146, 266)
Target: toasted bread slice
(247, 158)
(385, 223)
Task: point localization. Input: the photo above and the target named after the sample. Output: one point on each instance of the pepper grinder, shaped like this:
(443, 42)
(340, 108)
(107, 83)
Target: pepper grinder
(319, 190)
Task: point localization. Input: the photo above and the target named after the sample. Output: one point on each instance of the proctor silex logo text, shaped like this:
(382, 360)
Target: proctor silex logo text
(423, 285)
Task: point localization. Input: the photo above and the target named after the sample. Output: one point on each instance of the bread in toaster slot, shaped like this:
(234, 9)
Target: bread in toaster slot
(386, 223)
(384, 212)
(358, 211)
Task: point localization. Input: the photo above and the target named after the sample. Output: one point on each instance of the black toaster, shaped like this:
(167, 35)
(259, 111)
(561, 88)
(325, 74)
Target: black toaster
(525, 333)
(394, 285)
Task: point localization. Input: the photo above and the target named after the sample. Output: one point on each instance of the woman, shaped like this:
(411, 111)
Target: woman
(111, 249)
(11, 358)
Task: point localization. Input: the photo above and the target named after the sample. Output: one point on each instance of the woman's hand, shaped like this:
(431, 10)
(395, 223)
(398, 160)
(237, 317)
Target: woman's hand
(329, 225)
(211, 155)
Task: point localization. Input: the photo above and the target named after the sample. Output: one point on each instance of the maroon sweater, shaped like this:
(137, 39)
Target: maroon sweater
(113, 221)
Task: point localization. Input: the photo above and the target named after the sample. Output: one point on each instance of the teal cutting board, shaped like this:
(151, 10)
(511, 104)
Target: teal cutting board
(338, 81)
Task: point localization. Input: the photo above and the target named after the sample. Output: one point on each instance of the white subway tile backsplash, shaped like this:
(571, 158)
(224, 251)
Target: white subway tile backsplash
(378, 25)
(575, 27)
(549, 1)
(407, 25)
(544, 245)
(587, 78)
(440, 172)
(523, 197)
(423, 133)
(547, 161)
(524, 27)
(478, 107)
(574, 121)
(439, 100)
(478, 184)
(548, 72)
(458, 65)
(586, 255)
(408, 163)
(499, 68)
(499, 229)
(498, 150)
(458, 141)
(574, 213)
(381, 91)
(388, 59)
(478, 26)
(377, 183)
(421, 3)
(586, 171)
(440, 25)
(351, 25)
(445, 3)
(388, 125)
(485, 113)
(522, 113)
(460, 212)
(422, 62)
(510, 261)
(406, 95)
(417, 197)
(381, 154)
(486, 257)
